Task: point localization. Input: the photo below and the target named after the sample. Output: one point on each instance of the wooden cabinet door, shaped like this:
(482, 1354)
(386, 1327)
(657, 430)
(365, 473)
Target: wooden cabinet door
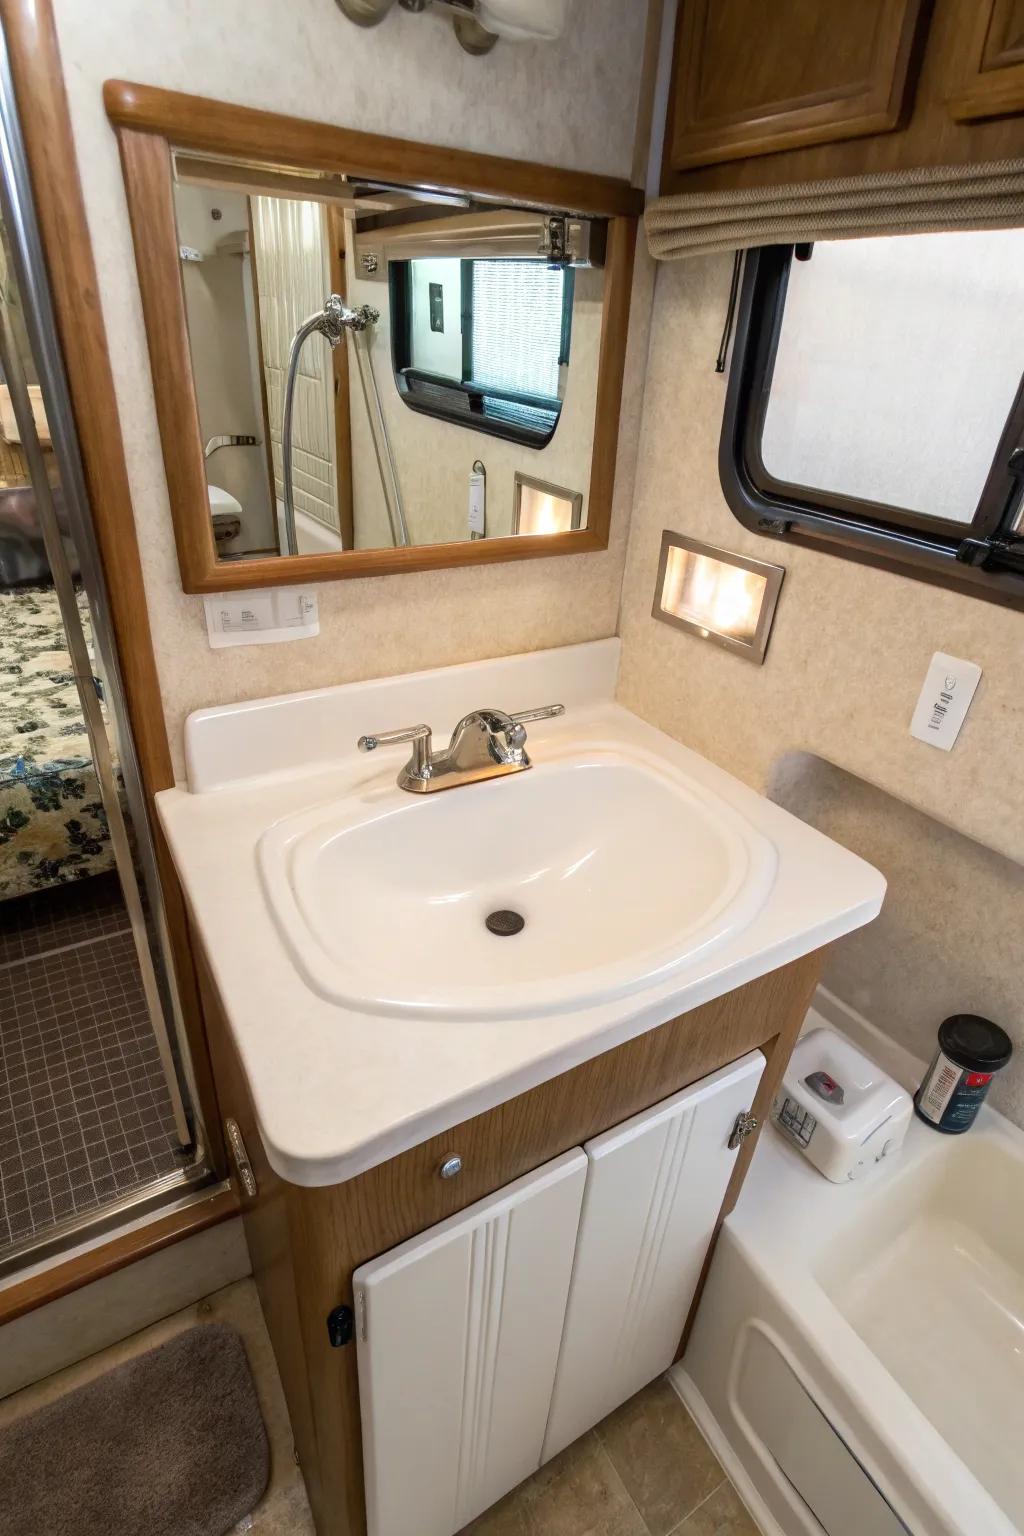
(457, 1338)
(752, 77)
(654, 1190)
(992, 84)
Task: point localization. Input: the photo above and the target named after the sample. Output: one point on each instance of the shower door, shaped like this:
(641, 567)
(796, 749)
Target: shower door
(97, 1112)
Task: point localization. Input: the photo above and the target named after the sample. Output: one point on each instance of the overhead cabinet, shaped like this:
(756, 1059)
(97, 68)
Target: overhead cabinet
(993, 81)
(488, 1343)
(807, 90)
(754, 78)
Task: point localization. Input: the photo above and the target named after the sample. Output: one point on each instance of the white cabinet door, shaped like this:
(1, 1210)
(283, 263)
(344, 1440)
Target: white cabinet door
(654, 1189)
(458, 1332)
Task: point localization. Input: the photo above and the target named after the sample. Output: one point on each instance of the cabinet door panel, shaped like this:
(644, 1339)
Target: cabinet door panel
(751, 78)
(993, 50)
(654, 1189)
(457, 1341)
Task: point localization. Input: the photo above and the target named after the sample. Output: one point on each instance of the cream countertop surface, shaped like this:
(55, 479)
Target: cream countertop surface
(337, 1091)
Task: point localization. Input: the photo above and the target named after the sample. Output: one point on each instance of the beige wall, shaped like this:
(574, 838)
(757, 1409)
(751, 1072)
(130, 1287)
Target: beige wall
(847, 657)
(949, 936)
(406, 77)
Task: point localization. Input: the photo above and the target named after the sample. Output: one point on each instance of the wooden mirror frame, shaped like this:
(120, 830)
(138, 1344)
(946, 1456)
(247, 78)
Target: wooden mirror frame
(150, 123)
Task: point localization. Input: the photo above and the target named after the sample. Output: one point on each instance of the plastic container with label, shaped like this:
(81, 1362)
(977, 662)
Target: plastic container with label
(971, 1051)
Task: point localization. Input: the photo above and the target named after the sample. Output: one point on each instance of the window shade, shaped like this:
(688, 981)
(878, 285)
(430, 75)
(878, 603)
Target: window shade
(928, 200)
(517, 326)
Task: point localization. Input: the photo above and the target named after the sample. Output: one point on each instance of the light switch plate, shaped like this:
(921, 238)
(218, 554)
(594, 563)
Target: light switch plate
(263, 617)
(944, 700)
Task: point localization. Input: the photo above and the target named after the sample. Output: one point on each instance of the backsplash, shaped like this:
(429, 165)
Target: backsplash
(948, 939)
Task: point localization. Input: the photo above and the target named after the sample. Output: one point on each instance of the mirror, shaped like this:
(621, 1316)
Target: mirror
(371, 355)
(456, 361)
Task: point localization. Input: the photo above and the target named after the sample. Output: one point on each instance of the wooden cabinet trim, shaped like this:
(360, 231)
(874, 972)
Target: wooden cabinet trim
(874, 104)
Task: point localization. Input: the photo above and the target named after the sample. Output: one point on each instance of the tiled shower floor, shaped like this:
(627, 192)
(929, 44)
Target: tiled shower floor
(84, 1111)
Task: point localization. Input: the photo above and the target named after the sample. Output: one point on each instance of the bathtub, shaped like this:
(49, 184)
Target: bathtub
(858, 1357)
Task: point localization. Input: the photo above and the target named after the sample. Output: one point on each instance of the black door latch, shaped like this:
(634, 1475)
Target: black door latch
(340, 1326)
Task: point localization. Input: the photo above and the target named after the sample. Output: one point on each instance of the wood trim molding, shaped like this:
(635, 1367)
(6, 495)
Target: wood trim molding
(148, 123)
(199, 122)
(60, 1280)
(32, 45)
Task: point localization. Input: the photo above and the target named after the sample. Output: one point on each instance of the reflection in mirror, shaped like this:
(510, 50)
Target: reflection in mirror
(378, 366)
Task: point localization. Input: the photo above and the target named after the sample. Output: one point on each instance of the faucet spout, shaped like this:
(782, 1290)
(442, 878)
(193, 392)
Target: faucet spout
(485, 744)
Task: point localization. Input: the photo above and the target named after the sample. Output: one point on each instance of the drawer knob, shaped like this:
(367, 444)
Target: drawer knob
(451, 1166)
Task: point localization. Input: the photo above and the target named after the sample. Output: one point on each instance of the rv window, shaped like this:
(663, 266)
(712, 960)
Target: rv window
(876, 402)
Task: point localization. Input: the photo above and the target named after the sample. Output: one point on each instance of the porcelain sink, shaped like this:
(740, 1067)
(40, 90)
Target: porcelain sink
(621, 868)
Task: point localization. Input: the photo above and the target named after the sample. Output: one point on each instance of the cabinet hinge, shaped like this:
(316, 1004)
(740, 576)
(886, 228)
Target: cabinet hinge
(240, 1158)
(745, 1125)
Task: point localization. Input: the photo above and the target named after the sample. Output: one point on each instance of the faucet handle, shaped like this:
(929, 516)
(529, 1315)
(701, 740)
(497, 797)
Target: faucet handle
(393, 738)
(419, 765)
(546, 712)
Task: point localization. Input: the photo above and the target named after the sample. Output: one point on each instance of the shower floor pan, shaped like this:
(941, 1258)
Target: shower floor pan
(858, 1358)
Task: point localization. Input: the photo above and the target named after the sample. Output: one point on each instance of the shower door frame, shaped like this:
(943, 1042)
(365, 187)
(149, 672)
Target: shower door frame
(36, 97)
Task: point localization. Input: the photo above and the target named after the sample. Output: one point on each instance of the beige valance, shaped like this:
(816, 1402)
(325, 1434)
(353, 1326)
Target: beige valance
(913, 202)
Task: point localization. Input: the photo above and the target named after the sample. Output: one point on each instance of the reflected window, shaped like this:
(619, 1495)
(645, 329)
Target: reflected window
(483, 343)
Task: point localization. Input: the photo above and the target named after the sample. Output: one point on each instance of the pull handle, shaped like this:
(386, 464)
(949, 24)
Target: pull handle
(393, 738)
(546, 712)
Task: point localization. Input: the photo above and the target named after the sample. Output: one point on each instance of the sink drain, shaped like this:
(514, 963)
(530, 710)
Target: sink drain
(505, 922)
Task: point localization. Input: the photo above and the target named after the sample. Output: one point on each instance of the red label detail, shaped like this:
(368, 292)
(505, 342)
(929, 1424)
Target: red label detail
(977, 1079)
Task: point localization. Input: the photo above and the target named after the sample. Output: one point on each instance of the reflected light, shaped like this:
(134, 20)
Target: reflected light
(541, 508)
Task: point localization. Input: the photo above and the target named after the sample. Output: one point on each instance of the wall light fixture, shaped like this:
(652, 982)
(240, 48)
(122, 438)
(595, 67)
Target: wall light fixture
(478, 23)
(721, 596)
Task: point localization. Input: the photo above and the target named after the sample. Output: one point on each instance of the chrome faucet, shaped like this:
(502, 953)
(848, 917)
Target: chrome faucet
(485, 744)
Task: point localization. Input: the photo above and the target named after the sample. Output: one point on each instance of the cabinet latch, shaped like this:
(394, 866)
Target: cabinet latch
(746, 1125)
(340, 1326)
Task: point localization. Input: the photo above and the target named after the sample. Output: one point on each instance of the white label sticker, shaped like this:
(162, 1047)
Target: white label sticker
(477, 505)
(938, 1087)
(944, 700)
(261, 618)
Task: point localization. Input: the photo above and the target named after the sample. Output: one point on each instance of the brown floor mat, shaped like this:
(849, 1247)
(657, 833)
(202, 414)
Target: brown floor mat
(171, 1443)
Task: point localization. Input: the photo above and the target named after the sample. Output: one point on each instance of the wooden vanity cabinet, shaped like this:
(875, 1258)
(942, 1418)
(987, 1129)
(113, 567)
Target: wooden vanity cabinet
(306, 1243)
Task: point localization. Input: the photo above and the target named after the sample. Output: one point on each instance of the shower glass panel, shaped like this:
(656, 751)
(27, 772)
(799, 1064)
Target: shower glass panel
(97, 1118)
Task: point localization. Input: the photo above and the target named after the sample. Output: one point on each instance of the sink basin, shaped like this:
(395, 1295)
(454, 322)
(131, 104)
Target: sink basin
(621, 869)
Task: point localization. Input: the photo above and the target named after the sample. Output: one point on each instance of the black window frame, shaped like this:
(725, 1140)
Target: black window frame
(464, 402)
(985, 557)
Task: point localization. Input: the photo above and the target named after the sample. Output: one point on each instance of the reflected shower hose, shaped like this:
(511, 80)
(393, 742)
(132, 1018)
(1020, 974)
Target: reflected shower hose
(332, 322)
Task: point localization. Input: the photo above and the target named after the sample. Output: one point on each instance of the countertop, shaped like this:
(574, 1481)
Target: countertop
(336, 1092)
